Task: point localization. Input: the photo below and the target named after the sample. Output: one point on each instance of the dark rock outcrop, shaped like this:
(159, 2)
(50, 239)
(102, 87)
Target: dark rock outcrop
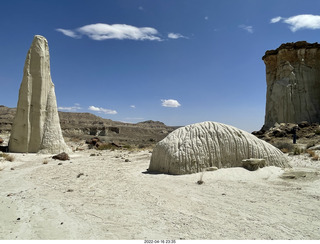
(61, 156)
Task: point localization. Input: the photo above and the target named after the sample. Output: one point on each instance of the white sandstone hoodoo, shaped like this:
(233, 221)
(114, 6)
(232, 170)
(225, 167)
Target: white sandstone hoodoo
(195, 147)
(36, 126)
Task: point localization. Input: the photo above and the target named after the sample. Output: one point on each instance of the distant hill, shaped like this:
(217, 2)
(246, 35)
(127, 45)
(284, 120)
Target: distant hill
(85, 125)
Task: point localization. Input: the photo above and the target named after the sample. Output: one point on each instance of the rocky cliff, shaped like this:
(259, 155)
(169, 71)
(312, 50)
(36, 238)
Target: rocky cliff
(293, 83)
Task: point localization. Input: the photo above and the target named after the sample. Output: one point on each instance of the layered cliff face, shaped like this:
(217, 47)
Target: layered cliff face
(293, 83)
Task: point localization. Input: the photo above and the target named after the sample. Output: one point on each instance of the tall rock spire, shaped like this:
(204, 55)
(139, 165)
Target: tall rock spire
(36, 126)
(293, 83)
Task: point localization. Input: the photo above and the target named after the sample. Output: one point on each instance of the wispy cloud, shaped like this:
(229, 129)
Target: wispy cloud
(69, 33)
(100, 31)
(171, 103)
(132, 106)
(74, 108)
(275, 19)
(176, 36)
(247, 28)
(102, 110)
(298, 22)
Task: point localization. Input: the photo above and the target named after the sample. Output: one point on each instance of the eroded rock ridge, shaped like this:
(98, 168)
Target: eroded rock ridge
(196, 147)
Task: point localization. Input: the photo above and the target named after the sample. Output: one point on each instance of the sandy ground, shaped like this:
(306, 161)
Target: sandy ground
(108, 197)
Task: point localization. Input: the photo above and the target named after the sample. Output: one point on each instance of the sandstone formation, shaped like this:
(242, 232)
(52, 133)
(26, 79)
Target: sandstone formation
(196, 147)
(293, 83)
(36, 126)
(253, 164)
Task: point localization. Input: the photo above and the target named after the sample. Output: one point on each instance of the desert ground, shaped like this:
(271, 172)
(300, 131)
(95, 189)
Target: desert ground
(109, 195)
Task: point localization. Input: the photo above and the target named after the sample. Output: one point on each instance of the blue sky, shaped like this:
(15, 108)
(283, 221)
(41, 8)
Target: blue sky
(176, 61)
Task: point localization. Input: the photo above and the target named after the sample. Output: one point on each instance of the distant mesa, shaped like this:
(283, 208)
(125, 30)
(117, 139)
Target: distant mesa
(293, 83)
(196, 147)
(36, 126)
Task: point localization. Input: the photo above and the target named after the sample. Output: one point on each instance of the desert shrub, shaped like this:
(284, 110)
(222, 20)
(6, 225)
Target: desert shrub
(311, 153)
(317, 132)
(7, 157)
(284, 150)
(297, 151)
(127, 147)
(107, 146)
(75, 139)
(141, 146)
(284, 146)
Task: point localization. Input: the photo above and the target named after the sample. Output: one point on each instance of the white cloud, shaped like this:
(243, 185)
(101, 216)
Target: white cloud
(275, 20)
(247, 28)
(71, 109)
(69, 33)
(206, 17)
(170, 103)
(102, 110)
(298, 22)
(176, 36)
(132, 106)
(102, 31)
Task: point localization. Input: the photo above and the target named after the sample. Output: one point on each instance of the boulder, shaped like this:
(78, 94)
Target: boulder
(253, 164)
(61, 156)
(293, 84)
(279, 133)
(36, 126)
(304, 124)
(196, 147)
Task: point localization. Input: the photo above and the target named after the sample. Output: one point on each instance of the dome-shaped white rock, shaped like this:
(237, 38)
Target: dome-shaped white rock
(192, 148)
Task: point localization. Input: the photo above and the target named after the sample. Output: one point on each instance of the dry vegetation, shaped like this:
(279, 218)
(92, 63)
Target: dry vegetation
(313, 155)
(7, 157)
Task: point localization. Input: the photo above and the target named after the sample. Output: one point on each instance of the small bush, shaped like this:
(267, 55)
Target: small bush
(127, 147)
(311, 153)
(297, 151)
(141, 146)
(317, 132)
(7, 157)
(284, 150)
(287, 147)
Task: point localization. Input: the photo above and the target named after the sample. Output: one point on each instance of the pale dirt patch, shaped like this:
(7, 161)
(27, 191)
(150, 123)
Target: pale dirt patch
(105, 197)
